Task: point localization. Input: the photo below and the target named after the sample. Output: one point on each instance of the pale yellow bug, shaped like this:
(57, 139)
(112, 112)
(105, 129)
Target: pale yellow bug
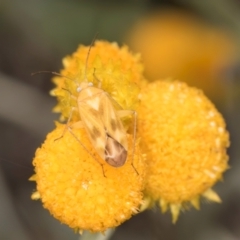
(102, 121)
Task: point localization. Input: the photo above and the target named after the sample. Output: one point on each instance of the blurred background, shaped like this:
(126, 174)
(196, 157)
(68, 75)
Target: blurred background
(193, 41)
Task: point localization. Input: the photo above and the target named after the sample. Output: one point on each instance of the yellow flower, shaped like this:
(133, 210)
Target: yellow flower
(177, 44)
(185, 140)
(78, 190)
(116, 69)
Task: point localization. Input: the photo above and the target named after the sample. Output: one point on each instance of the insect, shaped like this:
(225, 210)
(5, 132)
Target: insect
(102, 121)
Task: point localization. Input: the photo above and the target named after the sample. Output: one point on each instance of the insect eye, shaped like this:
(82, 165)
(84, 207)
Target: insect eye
(90, 84)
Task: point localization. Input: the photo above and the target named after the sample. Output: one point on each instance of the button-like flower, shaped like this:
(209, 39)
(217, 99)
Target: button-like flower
(179, 45)
(82, 190)
(185, 140)
(115, 69)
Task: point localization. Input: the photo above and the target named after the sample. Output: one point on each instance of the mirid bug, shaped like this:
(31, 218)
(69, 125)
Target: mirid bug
(102, 123)
(101, 119)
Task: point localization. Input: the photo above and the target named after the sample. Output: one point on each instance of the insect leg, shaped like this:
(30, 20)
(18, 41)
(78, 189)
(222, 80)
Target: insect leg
(124, 113)
(99, 82)
(67, 125)
(69, 93)
(79, 124)
(70, 116)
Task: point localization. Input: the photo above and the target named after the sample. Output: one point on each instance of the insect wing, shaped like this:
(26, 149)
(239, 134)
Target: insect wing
(112, 122)
(91, 119)
(115, 153)
(103, 125)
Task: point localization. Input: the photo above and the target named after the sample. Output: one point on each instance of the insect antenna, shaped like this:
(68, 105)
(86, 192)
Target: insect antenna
(55, 73)
(15, 163)
(134, 140)
(87, 58)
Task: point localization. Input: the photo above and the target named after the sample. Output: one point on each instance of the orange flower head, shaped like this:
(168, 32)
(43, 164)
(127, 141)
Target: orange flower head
(185, 140)
(114, 69)
(176, 44)
(80, 189)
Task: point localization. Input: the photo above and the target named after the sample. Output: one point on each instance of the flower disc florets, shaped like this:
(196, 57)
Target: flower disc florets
(115, 70)
(185, 140)
(80, 189)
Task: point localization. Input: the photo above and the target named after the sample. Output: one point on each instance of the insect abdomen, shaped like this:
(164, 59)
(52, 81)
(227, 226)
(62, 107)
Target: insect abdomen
(115, 153)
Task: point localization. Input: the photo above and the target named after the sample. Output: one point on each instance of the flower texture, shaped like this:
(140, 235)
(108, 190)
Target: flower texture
(80, 189)
(185, 140)
(114, 68)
